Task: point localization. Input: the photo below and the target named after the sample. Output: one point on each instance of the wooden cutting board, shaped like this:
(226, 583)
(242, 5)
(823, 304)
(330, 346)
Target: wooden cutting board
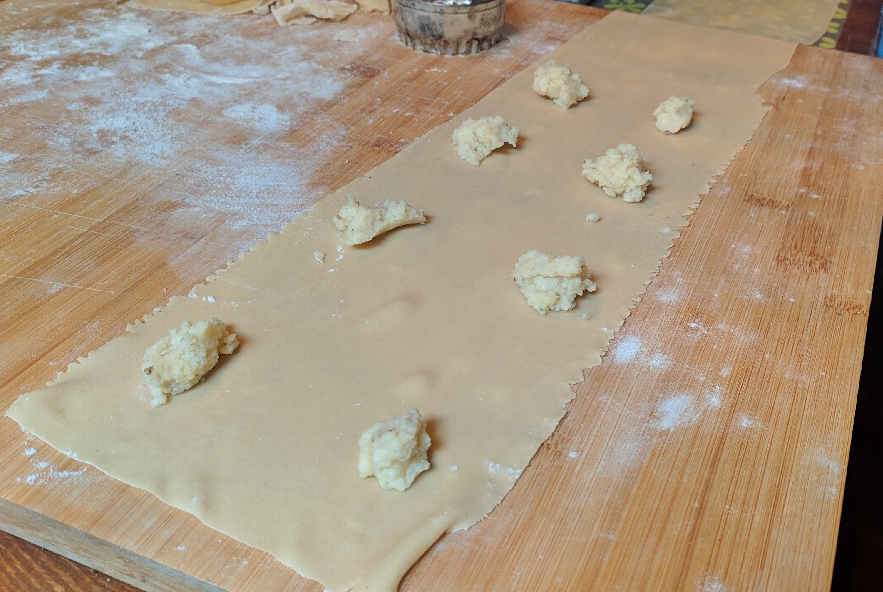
(764, 299)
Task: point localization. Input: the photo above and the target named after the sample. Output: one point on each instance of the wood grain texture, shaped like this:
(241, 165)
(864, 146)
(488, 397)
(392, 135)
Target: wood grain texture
(756, 324)
(711, 459)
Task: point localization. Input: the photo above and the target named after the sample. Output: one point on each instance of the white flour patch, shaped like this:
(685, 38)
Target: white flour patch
(124, 76)
(683, 409)
(264, 118)
(714, 397)
(710, 583)
(674, 411)
(498, 469)
(725, 371)
(823, 458)
(47, 474)
(29, 452)
(795, 82)
(747, 422)
(667, 295)
(625, 453)
(659, 360)
(626, 350)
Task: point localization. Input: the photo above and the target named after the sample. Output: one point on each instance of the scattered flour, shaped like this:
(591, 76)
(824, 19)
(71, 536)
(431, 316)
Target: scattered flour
(122, 76)
(498, 469)
(667, 295)
(626, 350)
(747, 422)
(674, 411)
(682, 409)
(659, 360)
(48, 474)
(710, 583)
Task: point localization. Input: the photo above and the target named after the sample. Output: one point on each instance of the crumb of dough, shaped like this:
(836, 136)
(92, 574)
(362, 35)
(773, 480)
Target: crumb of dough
(374, 5)
(263, 10)
(477, 138)
(394, 451)
(620, 173)
(674, 114)
(319, 256)
(360, 224)
(180, 359)
(348, 35)
(560, 84)
(551, 283)
(305, 12)
(593, 217)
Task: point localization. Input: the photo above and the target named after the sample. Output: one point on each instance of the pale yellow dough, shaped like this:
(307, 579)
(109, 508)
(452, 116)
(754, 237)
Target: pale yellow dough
(200, 7)
(292, 12)
(560, 84)
(360, 224)
(180, 359)
(551, 283)
(673, 114)
(374, 5)
(801, 21)
(475, 139)
(425, 318)
(620, 173)
(394, 451)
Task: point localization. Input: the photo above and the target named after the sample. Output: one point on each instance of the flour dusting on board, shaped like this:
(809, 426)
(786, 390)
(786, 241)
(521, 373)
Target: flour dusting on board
(46, 473)
(120, 79)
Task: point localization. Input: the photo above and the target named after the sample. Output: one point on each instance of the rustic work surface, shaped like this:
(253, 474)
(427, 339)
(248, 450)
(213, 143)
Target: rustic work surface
(707, 452)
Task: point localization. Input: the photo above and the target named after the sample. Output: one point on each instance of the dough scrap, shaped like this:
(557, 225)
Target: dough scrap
(292, 12)
(551, 283)
(360, 224)
(674, 114)
(200, 7)
(180, 359)
(593, 217)
(381, 6)
(394, 451)
(560, 84)
(620, 173)
(475, 139)
(348, 35)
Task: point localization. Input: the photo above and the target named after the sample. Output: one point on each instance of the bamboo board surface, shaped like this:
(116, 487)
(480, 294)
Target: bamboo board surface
(750, 338)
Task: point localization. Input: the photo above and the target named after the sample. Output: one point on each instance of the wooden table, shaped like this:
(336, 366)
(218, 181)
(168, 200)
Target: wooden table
(747, 497)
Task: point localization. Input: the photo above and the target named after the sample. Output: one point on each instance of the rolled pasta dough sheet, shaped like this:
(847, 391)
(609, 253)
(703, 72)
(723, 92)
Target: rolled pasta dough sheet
(202, 6)
(266, 449)
(801, 21)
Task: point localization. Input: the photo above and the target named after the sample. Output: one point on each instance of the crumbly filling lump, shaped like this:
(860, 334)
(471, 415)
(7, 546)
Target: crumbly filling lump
(475, 139)
(180, 359)
(560, 84)
(394, 451)
(620, 173)
(674, 114)
(360, 224)
(551, 283)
